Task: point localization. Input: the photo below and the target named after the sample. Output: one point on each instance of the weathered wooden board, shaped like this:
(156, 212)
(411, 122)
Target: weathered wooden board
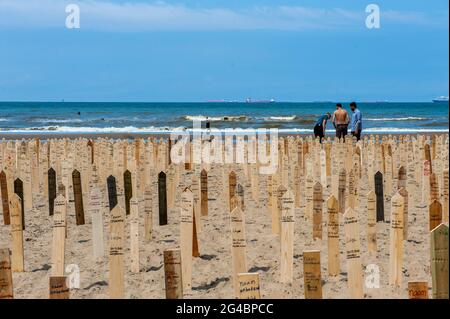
(17, 258)
(6, 279)
(333, 236)
(435, 214)
(18, 189)
(134, 236)
(317, 211)
(353, 254)
(128, 190)
(173, 274)
(287, 237)
(312, 274)
(371, 222)
(238, 246)
(439, 262)
(51, 173)
(78, 196)
(112, 191)
(148, 212)
(116, 252)
(59, 236)
(204, 192)
(186, 237)
(418, 290)
(95, 210)
(341, 190)
(396, 240)
(58, 287)
(248, 286)
(5, 200)
(162, 198)
(379, 196)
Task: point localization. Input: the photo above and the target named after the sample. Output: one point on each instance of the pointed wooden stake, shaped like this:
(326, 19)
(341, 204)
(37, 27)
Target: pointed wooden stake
(173, 274)
(353, 255)
(439, 261)
(312, 274)
(6, 281)
(333, 236)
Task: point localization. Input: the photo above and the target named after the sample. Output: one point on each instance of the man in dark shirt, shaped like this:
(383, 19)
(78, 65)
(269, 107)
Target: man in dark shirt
(319, 128)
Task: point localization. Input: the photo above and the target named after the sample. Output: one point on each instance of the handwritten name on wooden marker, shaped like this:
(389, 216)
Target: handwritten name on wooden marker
(6, 281)
(317, 211)
(173, 274)
(58, 287)
(59, 236)
(439, 262)
(396, 240)
(51, 190)
(95, 210)
(134, 236)
(435, 214)
(116, 251)
(78, 196)
(333, 236)
(418, 290)
(379, 196)
(353, 254)
(5, 200)
(204, 192)
(162, 198)
(238, 245)
(287, 236)
(248, 286)
(17, 259)
(312, 274)
(186, 238)
(371, 222)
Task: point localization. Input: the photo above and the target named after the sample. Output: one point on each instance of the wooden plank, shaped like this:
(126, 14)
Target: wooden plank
(5, 200)
(162, 198)
(351, 198)
(17, 260)
(59, 236)
(116, 251)
(186, 237)
(287, 237)
(435, 214)
(6, 280)
(128, 190)
(78, 196)
(434, 188)
(204, 192)
(396, 240)
(312, 274)
(317, 211)
(95, 210)
(402, 191)
(371, 222)
(401, 177)
(341, 190)
(333, 236)
(58, 287)
(445, 193)
(112, 191)
(309, 197)
(439, 261)
(379, 196)
(18, 189)
(231, 187)
(173, 274)
(353, 254)
(134, 236)
(238, 246)
(51, 178)
(418, 290)
(148, 209)
(248, 286)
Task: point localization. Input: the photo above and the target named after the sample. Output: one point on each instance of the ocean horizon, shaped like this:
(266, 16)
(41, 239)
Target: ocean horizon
(165, 117)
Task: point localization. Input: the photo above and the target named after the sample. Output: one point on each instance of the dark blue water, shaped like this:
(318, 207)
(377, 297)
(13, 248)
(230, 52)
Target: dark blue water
(63, 117)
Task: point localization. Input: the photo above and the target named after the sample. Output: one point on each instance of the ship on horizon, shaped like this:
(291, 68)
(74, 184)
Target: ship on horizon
(441, 99)
(249, 100)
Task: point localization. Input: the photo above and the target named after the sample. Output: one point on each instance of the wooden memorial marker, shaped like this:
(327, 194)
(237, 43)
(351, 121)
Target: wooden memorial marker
(231, 187)
(116, 251)
(351, 199)
(379, 196)
(112, 191)
(248, 286)
(309, 197)
(18, 189)
(402, 191)
(240, 195)
(401, 177)
(128, 190)
(418, 290)
(134, 236)
(435, 214)
(95, 210)
(162, 198)
(5, 200)
(312, 274)
(204, 192)
(341, 190)
(17, 260)
(371, 222)
(6, 280)
(173, 274)
(352, 247)
(186, 236)
(317, 211)
(78, 196)
(426, 176)
(333, 236)
(287, 237)
(445, 194)
(396, 240)
(434, 188)
(439, 262)
(238, 246)
(51, 190)
(59, 236)
(58, 287)
(148, 209)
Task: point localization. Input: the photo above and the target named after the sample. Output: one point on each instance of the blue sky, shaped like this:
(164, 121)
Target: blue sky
(223, 49)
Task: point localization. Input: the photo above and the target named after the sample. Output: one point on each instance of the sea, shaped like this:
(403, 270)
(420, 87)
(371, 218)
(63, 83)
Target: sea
(148, 118)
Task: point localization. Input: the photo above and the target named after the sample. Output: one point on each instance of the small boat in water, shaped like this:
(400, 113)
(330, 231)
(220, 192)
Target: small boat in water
(441, 99)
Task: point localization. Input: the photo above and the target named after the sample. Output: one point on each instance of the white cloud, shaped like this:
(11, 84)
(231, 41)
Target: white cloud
(139, 16)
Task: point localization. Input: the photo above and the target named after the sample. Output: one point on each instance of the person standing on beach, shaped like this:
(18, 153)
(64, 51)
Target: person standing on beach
(319, 128)
(340, 121)
(356, 122)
